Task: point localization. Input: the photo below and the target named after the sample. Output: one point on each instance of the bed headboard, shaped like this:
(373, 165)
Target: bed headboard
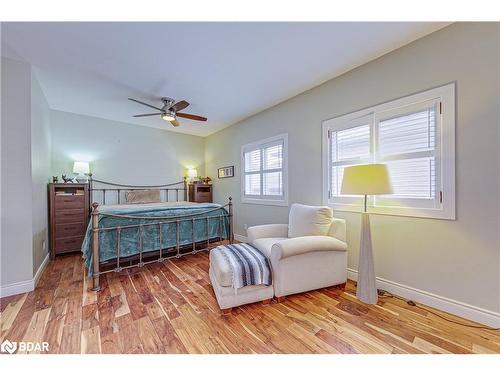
(105, 192)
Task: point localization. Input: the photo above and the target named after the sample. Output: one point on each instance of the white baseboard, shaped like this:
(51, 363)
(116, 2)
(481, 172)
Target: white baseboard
(464, 310)
(239, 237)
(16, 288)
(40, 269)
(24, 286)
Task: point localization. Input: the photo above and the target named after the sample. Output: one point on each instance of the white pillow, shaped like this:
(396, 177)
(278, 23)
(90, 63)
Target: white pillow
(309, 220)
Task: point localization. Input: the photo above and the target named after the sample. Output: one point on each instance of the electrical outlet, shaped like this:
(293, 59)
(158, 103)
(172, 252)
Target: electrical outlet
(43, 245)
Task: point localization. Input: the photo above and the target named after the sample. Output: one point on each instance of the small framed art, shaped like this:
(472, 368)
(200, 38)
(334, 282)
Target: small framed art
(226, 172)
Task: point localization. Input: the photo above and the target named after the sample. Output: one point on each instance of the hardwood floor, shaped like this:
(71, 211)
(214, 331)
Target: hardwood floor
(171, 308)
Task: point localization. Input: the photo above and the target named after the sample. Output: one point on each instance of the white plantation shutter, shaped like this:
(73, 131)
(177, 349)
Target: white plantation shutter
(252, 161)
(352, 143)
(414, 136)
(413, 178)
(406, 142)
(273, 161)
(404, 139)
(273, 157)
(406, 133)
(252, 172)
(350, 146)
(272, 184)
(252, 184)
(264, 170)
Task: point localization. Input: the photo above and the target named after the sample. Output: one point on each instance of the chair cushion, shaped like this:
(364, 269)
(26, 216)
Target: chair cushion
(265, 244)
(309, 220)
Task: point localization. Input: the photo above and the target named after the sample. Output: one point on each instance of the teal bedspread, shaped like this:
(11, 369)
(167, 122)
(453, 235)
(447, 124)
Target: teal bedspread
(129, 237)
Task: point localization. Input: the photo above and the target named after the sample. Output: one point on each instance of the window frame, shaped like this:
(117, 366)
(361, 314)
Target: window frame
(272, 200)
(445, 146)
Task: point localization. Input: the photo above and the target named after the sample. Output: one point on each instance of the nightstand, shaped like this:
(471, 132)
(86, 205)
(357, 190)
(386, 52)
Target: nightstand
(200, 192)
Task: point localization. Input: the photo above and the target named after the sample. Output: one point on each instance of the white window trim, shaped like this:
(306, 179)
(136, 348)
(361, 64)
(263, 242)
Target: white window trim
(446, 95)
(264, 200)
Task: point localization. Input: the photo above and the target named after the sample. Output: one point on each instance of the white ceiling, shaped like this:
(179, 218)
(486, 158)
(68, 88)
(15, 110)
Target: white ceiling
(227, 71)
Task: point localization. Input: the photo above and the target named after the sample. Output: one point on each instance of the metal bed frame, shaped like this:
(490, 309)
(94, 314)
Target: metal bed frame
(162, 254)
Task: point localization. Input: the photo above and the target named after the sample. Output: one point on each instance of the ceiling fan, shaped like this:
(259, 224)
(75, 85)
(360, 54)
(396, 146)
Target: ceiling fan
(170, 111)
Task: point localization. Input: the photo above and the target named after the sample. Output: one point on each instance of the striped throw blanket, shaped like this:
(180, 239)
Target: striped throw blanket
(248, 264)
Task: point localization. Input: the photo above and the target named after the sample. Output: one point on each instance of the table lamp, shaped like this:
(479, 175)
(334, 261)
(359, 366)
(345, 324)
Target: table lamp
(370, 179)
(192, 174)
(81, 168)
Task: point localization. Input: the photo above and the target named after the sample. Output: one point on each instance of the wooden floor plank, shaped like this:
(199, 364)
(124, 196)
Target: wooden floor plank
(36, 328)
(111, 344)
(53, 333)
(168, 336)
(151, 343)
(91, 341)
(9, 313)
(170, 308)
(70, 339)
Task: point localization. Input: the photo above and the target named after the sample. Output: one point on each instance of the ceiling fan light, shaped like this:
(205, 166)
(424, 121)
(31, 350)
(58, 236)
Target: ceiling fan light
(168, 117)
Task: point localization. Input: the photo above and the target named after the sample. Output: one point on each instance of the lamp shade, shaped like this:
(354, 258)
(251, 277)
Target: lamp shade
(369, 179)
(81, 167)
(192, 173)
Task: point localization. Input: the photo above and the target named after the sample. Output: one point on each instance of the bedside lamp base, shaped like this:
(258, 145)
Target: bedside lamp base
(82, 179)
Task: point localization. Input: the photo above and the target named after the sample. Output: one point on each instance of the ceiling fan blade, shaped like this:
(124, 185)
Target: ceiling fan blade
(179, 106)
(148, 114)
(146, 104)
(175, 123)
(191, 117)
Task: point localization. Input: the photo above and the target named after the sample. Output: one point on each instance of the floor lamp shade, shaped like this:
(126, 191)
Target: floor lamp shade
(370, 179)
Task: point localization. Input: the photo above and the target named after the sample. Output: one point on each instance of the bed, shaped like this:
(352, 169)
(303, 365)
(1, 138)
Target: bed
(122, 235)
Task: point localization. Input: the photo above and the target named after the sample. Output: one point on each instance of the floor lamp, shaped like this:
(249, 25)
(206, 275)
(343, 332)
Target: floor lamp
(370, 179)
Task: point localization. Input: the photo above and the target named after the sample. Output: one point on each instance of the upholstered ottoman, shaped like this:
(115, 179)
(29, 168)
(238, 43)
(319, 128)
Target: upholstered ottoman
(221, 277)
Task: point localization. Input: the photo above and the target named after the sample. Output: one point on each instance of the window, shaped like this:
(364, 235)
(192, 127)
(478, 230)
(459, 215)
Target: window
(415, 137)
(264, 171)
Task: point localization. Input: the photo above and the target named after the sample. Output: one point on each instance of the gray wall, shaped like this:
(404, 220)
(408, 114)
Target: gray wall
(121, 152)
(456, 259)
(16, 190)
(40, 170)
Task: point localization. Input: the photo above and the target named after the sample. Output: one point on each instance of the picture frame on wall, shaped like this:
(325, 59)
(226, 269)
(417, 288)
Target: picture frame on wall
(226, 172)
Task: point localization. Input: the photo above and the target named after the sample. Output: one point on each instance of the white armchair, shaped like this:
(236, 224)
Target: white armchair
(308, 253)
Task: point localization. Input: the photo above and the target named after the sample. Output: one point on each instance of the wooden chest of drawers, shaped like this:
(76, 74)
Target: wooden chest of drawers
(200, 193)
(68, 217)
